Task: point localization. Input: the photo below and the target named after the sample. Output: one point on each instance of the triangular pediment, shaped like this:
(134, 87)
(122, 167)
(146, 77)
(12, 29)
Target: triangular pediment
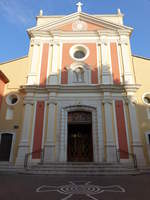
(80, 25)
(79, 22)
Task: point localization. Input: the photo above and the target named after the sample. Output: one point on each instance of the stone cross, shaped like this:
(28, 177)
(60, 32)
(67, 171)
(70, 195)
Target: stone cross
(79, 4)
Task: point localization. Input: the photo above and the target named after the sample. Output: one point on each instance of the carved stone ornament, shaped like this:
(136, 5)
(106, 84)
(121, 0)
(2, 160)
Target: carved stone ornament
(79, 26)
(133, 100)
(79, 116)
(107, 101)
(123, 41)
(35, 42)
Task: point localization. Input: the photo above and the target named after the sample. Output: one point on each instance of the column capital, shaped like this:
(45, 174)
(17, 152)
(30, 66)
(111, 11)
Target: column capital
(107, 101)
(25, 102)
(126, 101)
(122, 42)
(54, 43)
(132, 100)
(51, 44)
(35, 42)
(52, 102)
(103, 42)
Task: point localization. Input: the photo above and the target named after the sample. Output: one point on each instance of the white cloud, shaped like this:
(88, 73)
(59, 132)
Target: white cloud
(16, 11)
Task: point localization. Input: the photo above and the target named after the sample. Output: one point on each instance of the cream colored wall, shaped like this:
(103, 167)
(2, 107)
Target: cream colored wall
(142, 75)
(16, 71)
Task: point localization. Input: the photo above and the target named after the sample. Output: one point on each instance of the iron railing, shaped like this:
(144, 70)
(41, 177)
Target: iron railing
(118, 151)
(29, 155)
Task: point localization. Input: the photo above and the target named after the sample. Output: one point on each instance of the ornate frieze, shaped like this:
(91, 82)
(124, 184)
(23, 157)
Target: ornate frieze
(78, 116)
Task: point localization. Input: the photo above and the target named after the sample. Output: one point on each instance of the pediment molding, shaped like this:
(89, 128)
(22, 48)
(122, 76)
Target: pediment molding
(55, 25)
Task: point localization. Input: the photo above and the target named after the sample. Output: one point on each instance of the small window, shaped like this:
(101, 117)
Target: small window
(12, 99)
(146, 98)
(9, 113)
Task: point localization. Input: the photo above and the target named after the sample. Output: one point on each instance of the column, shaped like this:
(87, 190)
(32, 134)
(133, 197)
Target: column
(137, 146)
(24, 143)
(110, 144)
(63, 143)
(126, 61)
(100, 134)
(53, 76)
(49, 154)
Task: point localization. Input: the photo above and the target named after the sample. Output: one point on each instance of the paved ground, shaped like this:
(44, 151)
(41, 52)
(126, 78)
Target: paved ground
(29, 187)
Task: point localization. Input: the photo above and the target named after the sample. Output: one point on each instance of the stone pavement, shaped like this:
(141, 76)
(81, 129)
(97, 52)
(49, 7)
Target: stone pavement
(40, 187)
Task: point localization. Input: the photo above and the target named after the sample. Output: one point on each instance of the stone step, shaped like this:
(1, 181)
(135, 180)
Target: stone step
(79, 166)
(85, 168)
(74, 173)
(85, 163)
(72, 168)
(80, 171)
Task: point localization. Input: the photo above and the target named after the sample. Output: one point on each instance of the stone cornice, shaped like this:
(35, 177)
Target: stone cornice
(80, 88)
(132, 88)
(59, 33)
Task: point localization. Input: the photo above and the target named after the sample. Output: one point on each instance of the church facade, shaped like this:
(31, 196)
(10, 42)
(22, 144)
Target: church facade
(79, 96)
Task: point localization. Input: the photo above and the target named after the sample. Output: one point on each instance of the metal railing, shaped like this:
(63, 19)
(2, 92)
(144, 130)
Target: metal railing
(118, 151)
(29, 155)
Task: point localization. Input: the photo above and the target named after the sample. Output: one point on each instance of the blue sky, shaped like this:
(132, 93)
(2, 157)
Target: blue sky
(18, 15)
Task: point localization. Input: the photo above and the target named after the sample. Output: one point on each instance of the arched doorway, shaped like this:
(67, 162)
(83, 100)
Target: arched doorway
(80, 144)
(5, 146)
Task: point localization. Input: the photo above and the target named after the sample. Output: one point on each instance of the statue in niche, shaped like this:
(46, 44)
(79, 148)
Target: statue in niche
(79, 75)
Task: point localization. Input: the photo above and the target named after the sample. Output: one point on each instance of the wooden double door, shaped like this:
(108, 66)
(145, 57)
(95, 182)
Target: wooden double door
(80, 148)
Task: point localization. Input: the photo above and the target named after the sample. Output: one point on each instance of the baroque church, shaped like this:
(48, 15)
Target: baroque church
(78, 96)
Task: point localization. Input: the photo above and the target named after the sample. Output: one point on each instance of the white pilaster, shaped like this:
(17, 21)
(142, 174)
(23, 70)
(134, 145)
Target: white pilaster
(99, 61)
(110, 144)
(106, 76)
(32, 76)
(100, 134)
(24, 143)
(53, 75)
(137, 146)
(50, 143)
(128, 78)
(62, 154)
(50, 53)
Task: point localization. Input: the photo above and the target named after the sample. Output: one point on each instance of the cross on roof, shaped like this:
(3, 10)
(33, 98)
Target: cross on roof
(79, 4)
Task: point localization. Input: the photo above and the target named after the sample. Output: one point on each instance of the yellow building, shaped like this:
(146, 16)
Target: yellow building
(79, 96)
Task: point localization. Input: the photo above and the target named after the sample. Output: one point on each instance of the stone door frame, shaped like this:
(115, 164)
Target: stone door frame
(98, 146)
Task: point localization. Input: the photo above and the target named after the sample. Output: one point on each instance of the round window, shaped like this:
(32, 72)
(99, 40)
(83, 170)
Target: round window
(146, 98)
(79, 52)
(12, 99)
